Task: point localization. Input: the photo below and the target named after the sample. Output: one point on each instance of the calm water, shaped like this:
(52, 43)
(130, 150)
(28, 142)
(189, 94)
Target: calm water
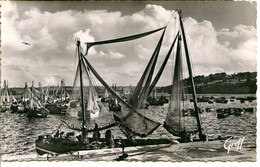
(18, 132)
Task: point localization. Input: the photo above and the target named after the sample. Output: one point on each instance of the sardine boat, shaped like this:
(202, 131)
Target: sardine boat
(34, 108)
(134, 125)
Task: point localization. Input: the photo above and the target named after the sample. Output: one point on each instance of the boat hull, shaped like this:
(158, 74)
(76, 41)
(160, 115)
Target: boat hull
(53, 109)
(14, 108)
(55, 146)
(37, 112)
(4, 108)
(115, 108)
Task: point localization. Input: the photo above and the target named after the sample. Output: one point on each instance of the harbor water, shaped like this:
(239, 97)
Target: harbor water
(18, 132)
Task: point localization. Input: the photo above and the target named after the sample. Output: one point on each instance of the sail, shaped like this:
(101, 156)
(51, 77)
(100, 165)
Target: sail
(92, 107)
(131, 120)
(1, 98)
(27, 93)
(5, 93)
(95, 111)
(136, 123)
(142, 88)
(159, 73)
(174, 118)
(106, 94)
(201, 135)
(13, 98)
(46, 94)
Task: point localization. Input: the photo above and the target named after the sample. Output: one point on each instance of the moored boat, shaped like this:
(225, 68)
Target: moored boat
(34, 108)
(130, 121)
(5, 101)
(238, 111)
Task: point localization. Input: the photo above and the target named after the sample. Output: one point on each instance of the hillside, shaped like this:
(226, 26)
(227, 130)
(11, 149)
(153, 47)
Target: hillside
(221, 83)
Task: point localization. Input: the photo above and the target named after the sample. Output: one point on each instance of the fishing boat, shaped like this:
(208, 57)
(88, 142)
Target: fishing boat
(156, 101)
(114, 105)
(16, 107)
(105, 97)
(250, 109)
(239, 111)
(60, 102)
(130, 121)
(57, 144)
(5, 103)
(222, 113)
(35, 108)
(209, 109)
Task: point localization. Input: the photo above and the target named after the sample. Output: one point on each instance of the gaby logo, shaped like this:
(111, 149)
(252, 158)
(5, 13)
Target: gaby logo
(235, 145)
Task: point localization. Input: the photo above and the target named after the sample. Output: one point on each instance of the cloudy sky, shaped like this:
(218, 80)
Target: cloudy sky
(221, 38)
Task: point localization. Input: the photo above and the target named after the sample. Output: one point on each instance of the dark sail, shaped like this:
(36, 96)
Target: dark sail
(137, 123)
(159, 73)
(131, 119)
(175, 123)
(141, 90)
(174, 118)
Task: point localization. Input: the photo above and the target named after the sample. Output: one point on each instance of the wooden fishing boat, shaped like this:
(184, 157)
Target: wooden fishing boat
(89, 107)
(239, 111)
(130, 121)
(5, 101)
(58, 104)
(35, 108)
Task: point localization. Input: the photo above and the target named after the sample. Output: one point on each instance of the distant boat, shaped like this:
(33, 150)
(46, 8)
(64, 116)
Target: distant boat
(239, 111)
(5, 102)
(60, 102)
(15, 106)
(114, 105)
(35, 108)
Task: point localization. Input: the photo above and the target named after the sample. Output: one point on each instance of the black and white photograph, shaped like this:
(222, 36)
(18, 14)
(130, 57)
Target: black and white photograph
(128, 81)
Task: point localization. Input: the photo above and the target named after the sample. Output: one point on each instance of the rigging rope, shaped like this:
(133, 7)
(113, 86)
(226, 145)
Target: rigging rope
(170, 19)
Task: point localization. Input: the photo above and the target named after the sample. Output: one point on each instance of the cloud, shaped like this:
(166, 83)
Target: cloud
(51, 56)
(224, 51)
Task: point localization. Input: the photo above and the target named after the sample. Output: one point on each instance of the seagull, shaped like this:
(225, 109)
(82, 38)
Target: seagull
(26, 43)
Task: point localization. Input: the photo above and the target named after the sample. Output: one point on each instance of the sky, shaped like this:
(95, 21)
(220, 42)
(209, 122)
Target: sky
(221, 37)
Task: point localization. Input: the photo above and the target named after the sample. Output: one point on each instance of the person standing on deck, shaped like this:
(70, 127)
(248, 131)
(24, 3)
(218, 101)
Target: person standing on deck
(96, 133)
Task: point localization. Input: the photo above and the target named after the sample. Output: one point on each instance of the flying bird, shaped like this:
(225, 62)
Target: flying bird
(26, 43)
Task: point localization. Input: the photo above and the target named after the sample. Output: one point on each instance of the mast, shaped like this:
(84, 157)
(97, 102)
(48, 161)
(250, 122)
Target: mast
(31, 98)
(84, 132)
(61, 85)
(191, 76)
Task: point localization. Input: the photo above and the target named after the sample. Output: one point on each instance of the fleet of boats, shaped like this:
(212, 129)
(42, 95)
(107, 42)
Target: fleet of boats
(88, 103)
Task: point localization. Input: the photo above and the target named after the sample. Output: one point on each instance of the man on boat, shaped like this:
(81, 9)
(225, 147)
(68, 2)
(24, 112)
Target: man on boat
(109, 139)
(96, 133)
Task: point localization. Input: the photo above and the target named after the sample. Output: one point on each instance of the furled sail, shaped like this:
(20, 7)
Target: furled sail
(174, 122)
(1, 97)
(27, 93)
(106, 94)
(92, 107)
(5, 93)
